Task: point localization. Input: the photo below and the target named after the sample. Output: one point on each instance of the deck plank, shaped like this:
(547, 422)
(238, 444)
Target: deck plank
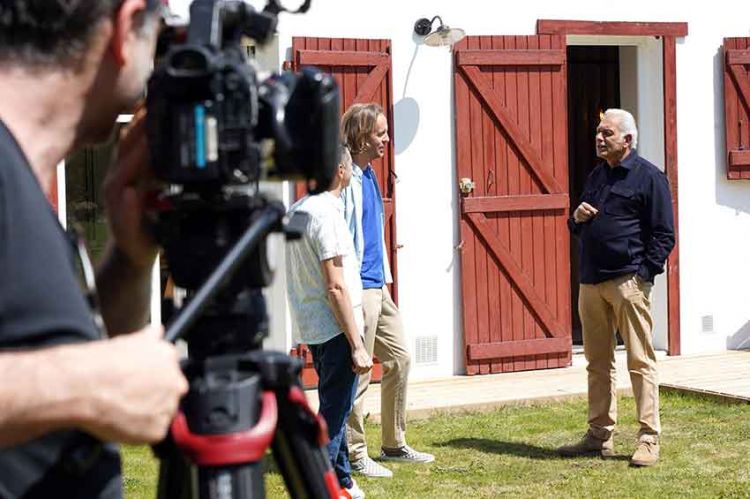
(725, 374)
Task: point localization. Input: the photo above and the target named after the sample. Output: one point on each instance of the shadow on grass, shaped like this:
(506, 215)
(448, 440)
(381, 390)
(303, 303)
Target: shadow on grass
(519, 449)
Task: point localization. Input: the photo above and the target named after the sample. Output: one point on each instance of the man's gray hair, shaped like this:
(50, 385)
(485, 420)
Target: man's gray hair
(345, 155)
(626, 124)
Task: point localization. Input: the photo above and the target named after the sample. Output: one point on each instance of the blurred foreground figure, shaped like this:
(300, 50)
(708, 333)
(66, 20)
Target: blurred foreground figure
(67, 69)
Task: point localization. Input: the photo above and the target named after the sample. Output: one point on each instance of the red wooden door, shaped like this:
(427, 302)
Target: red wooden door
(362, 69)
(511, 140)
(737, 106)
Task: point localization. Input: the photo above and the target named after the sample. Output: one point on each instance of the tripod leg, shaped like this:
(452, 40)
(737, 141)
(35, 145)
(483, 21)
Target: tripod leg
(299, 448)
(176, 480)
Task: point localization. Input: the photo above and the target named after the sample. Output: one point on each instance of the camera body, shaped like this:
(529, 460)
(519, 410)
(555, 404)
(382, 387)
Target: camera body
(211, 123)
(214, 131)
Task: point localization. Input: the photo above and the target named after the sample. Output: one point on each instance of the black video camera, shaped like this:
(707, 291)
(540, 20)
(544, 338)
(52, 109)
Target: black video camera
(214, 132)
(212, 124)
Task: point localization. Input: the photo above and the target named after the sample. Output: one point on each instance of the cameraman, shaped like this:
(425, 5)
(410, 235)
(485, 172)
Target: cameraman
(67, 69)
(325, 300)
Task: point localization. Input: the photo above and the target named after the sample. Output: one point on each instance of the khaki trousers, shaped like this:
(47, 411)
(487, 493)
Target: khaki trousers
(620, 304)
(384, 336)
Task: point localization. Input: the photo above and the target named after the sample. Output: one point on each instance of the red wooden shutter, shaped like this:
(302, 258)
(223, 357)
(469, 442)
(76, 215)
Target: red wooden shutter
(511, 140)
(362, 69)
(737, 106)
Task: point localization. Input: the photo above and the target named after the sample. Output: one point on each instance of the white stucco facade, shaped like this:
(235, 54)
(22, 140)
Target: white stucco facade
(714, 213)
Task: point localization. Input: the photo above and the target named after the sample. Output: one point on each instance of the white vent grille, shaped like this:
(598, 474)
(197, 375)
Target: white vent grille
(707, 323)
(426, 349)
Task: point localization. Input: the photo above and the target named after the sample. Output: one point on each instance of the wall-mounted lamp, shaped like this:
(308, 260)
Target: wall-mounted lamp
(443, 35)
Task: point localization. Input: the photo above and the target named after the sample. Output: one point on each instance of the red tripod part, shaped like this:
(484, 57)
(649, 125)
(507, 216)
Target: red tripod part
(297, 396)
(232, 448)
(332, 484)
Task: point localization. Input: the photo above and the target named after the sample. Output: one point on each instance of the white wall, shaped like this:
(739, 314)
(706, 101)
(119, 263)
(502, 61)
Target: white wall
(280, 336)
(714, 213)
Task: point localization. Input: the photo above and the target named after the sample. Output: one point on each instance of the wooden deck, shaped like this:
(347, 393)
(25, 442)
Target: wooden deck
(725, 375)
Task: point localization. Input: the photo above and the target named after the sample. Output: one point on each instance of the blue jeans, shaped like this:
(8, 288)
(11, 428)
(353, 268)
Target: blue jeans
(337, 387)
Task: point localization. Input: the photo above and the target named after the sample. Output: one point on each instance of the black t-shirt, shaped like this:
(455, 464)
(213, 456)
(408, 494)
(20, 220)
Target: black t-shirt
(42, 304)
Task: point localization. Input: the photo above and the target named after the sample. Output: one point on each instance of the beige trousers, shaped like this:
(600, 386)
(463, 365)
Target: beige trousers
(384, 336)
(620, 304)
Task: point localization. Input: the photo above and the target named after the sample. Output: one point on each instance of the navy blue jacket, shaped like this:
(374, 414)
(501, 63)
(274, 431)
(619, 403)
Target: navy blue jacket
(634, 229)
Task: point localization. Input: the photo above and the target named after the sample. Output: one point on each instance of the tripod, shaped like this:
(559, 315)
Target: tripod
(241, 399)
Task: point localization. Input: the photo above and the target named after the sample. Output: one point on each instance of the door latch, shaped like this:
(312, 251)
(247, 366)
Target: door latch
(466, 185)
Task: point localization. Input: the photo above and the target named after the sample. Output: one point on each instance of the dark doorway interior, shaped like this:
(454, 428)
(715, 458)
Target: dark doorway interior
(593, 86)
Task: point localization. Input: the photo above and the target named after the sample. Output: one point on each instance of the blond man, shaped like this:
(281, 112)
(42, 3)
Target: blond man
(365, 132)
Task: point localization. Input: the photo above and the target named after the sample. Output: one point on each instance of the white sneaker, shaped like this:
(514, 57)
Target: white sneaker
(353, 492)
(406, 454)
(367, 467)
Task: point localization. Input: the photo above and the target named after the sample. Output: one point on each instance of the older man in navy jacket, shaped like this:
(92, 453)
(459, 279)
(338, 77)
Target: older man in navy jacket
(625, 227)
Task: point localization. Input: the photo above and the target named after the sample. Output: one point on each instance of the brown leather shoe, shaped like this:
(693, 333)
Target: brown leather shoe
(588, 446)
(647, 453)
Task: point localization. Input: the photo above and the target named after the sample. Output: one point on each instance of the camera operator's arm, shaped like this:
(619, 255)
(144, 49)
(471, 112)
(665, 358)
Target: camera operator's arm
(341, 305)
(124, 276)
(124, 390)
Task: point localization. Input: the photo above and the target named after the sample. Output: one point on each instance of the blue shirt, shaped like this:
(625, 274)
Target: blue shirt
(352, 198)
(372, 216)
(633, 230)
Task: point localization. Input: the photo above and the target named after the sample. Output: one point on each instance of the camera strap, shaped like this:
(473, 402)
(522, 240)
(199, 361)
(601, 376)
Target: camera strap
(87, 277)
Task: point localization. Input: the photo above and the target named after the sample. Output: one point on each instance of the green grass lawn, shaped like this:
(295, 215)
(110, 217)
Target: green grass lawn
(509, 452)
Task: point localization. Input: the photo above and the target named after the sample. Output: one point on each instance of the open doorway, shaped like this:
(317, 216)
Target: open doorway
(606, 72)
(593, 86)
